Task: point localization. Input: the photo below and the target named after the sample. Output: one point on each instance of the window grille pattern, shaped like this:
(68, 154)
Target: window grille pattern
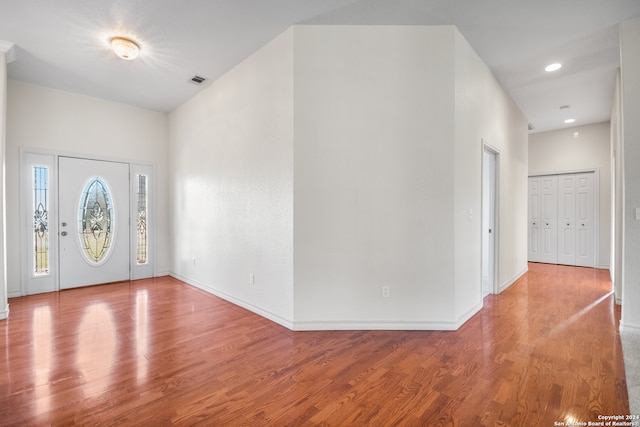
(141, 221)
(96, 220)
(40, 220)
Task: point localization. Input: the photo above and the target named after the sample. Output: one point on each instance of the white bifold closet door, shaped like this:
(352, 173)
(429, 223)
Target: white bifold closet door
(562, 219)
(543, 218)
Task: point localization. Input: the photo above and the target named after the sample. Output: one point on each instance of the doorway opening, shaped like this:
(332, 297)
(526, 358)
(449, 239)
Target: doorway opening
(490, 170)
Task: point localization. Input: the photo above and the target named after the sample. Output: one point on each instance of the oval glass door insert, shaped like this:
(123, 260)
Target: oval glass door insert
(96, 221)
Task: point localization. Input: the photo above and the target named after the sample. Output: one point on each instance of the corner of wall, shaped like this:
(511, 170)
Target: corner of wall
(231, 150)
(505, 127)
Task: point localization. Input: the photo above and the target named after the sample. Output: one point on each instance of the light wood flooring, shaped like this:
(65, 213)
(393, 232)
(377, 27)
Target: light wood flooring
(159, 352)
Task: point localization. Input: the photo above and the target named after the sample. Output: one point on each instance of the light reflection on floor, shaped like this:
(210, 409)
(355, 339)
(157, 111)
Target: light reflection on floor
(96, 350)
(41, 332)
(142, 334)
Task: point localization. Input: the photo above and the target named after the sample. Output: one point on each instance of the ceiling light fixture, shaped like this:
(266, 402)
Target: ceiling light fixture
(553, 67)
(570, 121)
(125, 48)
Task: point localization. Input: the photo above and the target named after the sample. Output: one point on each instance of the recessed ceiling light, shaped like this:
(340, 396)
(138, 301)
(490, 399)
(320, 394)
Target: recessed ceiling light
(553, 67)
(570, 121)
(125, 48)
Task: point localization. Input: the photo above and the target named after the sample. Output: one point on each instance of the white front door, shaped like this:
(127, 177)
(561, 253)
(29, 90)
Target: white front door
(93, 220)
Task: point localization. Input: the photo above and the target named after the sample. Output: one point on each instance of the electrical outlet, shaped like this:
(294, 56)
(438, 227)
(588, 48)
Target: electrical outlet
(252, 279)
(385, 292)
(194, 261)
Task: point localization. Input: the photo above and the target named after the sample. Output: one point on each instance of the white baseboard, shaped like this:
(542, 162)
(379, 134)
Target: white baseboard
(241, 303)
(338, 325)
(14, 294)
(627, 329)
(4, 312)
(469, 314)
(379, 325)
(513, 280)
(385, 325)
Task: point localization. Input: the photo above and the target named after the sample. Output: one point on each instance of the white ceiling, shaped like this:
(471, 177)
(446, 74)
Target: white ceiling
(63, 44)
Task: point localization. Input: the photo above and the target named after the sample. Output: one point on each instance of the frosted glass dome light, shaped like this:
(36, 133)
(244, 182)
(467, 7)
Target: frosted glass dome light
(125, 48)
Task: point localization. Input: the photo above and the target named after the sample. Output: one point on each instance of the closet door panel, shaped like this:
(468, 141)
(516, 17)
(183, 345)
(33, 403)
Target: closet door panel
(534, 219)
(549, 217)
(585, 220)
(566, 219)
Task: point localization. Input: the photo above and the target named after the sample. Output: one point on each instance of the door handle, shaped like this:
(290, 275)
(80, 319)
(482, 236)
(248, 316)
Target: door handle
(64, 233)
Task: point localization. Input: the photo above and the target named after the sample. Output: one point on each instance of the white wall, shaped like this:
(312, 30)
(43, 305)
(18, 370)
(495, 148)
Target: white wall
(558, 151)
(630, 87)
(484, 113)
(4, 306)
(373, 176)
(48, 119)
(389, 123)
(616, 192)
(231, 149)
(338, 160)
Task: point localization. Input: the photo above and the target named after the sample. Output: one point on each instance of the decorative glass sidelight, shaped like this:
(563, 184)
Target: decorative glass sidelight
(40, 220)
(96, 220)
(141, 221)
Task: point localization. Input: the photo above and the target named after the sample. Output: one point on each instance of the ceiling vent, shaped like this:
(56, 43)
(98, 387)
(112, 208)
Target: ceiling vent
(531, 126)
(197, 80)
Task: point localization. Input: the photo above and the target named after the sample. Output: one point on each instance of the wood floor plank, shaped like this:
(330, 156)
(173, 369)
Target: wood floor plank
(159, 352)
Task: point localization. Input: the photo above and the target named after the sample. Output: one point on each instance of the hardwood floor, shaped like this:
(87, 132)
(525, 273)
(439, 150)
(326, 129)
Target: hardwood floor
(159, 352)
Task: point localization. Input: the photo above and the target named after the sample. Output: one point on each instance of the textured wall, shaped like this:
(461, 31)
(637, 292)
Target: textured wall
(231, 150)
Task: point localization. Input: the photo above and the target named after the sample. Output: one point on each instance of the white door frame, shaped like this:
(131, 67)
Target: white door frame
(29, 157)
(494, 209)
